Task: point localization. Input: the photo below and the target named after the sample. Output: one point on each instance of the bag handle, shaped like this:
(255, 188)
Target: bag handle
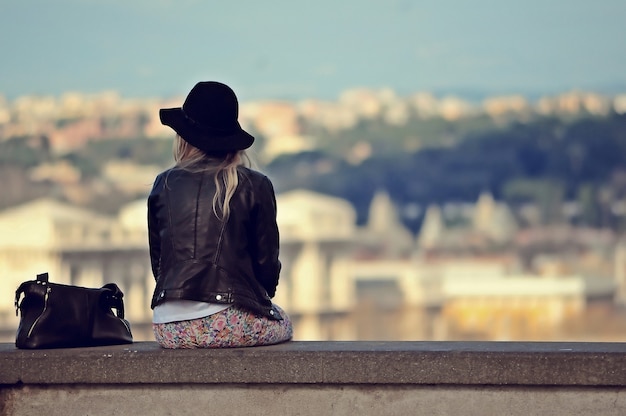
(42, 279)
(114, 298)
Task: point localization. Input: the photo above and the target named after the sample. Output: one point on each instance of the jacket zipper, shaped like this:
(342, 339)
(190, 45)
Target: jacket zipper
(45, 306)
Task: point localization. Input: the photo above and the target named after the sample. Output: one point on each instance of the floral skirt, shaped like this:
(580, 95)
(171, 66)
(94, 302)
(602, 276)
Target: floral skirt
(232, 327)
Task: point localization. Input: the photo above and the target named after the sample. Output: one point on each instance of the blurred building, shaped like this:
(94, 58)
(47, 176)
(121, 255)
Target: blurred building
(341, 281)
(74, 246)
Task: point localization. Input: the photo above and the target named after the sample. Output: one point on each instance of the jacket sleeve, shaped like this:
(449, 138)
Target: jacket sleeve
(266, 264)
(154, 236)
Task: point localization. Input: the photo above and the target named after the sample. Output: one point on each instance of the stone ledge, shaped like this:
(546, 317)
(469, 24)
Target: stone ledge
(307, 362)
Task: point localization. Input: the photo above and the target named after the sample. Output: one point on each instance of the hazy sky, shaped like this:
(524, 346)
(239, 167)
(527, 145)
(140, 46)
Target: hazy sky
(296, 49)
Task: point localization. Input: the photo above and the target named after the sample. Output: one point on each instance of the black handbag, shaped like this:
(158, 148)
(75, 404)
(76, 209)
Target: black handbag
(63, 316)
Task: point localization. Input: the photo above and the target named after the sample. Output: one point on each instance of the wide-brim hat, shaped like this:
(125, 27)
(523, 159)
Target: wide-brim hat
(208, 119)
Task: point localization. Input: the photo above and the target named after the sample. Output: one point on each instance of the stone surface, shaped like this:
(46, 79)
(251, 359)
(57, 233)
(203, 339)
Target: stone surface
(318, 378)
(425, 363)
(312, 400)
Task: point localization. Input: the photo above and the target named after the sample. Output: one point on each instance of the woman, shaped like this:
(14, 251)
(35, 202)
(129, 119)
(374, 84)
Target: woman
(212, 233)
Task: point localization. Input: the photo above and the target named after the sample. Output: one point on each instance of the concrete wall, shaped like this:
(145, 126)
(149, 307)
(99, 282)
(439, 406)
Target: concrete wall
(318, 378)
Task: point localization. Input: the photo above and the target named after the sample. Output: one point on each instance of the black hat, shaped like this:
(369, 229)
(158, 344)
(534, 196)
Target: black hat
(208, 119)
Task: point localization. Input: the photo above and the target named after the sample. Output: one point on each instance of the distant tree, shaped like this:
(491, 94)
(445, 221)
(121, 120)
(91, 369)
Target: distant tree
(26, 151)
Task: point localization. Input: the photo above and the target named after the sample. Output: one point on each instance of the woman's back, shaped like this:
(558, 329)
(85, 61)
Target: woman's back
(212, 232)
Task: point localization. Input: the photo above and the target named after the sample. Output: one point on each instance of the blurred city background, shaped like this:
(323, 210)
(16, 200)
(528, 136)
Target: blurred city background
(443, 171)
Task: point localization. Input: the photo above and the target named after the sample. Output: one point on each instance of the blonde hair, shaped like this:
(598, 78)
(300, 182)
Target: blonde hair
(225, 176)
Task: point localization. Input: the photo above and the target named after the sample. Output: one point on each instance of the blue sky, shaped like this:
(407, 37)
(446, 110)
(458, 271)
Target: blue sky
(299, 49)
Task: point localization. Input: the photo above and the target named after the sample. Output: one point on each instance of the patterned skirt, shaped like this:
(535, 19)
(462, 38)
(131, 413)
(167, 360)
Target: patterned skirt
(232, 327)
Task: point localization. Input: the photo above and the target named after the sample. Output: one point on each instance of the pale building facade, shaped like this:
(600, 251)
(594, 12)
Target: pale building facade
(74, 246)
(332, 290)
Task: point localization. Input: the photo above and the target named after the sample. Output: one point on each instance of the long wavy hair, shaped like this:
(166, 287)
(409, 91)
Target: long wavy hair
(223, 168)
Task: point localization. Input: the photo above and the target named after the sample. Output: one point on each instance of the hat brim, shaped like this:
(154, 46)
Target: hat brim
(208, 141)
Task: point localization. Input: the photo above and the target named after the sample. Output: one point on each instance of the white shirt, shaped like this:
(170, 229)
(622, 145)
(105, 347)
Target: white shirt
(183, 310)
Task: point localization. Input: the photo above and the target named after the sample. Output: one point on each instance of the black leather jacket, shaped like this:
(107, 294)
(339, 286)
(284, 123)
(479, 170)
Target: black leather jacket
(196, 256)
